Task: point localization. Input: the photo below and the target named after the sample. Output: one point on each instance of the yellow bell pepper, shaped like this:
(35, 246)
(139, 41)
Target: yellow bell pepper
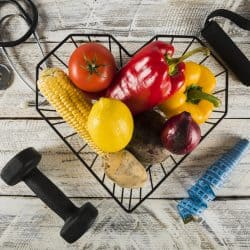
(195, 95)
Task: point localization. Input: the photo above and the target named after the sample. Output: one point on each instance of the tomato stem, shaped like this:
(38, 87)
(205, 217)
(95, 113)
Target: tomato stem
(92, 66)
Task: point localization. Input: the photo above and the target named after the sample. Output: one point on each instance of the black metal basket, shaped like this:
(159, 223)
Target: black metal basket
(128, 199)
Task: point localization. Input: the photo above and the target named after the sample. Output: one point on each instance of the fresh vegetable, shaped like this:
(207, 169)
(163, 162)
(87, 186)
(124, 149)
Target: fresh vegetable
(110, 124)
(150, 77)
(195, 95)
(181, 134)
(125, 170)
(92, 67)
(122, 167)
(146, 143)
(70, 102)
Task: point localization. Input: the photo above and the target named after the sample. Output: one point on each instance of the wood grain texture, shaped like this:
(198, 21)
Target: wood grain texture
(13, 101)
(133, 20)
(28, 224)
(61, 165)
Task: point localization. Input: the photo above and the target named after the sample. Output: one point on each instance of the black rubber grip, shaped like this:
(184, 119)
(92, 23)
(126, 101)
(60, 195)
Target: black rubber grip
(241, 21)
(50, 194)
(225, 47)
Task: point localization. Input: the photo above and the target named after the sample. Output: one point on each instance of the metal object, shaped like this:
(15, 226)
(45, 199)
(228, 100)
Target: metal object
(28, 84)
(5, 77)
(128, 199)
(31, 20)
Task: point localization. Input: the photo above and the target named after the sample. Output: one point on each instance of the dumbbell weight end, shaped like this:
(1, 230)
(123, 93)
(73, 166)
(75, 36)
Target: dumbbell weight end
(23, 167)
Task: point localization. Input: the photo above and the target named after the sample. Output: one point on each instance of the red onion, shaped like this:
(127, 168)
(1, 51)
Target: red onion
(181, 134)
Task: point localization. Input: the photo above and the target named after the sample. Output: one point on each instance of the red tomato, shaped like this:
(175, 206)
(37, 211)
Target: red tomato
(92, 67)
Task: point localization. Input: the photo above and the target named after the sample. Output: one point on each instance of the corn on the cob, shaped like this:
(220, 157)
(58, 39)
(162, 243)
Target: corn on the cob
(74, 108)
(69, 102)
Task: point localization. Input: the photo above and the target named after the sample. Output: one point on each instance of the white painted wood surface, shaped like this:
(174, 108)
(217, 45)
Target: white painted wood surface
(133, 19)
(25, 223)
(28, 224)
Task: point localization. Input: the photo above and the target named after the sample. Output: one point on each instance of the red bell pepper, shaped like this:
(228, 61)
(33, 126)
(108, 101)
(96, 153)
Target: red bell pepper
(150, 77)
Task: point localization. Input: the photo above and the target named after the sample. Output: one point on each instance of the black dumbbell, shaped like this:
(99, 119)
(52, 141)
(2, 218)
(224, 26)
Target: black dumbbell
(22, 167)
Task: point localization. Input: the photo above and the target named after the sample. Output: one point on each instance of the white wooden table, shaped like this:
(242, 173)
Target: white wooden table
(26, 223)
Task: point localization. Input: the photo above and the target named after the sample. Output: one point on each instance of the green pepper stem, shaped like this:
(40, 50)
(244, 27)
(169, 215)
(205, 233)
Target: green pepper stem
(205, 50)
(172, 62)
(196, 94)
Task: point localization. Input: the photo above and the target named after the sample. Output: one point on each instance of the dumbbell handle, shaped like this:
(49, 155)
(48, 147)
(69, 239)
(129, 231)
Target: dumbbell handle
(50, 194)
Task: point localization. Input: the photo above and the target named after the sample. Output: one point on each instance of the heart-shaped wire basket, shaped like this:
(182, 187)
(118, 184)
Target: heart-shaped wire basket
(128, 199)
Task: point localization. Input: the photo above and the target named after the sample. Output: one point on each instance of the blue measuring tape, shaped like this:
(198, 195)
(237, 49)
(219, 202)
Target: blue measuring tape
(202, 192)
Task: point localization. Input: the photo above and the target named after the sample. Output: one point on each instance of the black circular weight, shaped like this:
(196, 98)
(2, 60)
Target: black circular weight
(78, 224)
(5, 77)
(20, 165)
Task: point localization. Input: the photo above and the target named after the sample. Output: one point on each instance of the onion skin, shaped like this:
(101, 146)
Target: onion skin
(181, 134)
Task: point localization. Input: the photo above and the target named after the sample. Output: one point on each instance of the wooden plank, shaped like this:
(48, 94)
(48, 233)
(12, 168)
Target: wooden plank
(13, 101)
(132, 20)
(66, 171)
(28, 224)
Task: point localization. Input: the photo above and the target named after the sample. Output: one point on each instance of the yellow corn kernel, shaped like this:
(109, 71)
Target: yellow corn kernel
(69, 102)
